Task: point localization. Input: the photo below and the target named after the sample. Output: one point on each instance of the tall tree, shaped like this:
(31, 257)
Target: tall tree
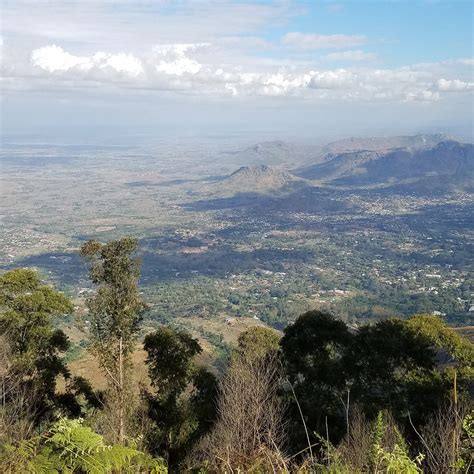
(182, 402)
(27, 308)
(115, 312)
(313, 348)
(388, 362)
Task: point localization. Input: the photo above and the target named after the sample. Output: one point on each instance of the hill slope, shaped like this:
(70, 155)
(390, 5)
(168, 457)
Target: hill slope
(383, 143)
(260, 179)
(275, 153)
(446, 164)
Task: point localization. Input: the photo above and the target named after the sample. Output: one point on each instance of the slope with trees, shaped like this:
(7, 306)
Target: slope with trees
(391, 396)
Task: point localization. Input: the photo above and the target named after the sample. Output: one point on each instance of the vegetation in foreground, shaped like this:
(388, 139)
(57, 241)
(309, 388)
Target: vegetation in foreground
(393, 396)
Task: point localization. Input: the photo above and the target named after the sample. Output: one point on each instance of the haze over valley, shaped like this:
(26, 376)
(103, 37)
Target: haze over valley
(366, 227)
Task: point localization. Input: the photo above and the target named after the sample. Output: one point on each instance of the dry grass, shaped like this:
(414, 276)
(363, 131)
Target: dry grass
(88, 367)
(229, 332)
(467, 332)
(249, 435)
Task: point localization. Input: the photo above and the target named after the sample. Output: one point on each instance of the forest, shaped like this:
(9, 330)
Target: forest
(321, 396)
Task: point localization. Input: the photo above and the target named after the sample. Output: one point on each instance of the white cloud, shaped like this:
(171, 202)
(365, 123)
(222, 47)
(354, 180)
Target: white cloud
(454, 85)
(309, 41)
(203, 69)
(175, 62)
(54, 59)
(353, 55)
(126, 63)
(123, 24)
(337, 79)
(423, 96)
(466, 61)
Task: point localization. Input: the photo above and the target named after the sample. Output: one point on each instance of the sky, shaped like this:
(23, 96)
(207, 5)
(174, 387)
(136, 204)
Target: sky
(88, 69)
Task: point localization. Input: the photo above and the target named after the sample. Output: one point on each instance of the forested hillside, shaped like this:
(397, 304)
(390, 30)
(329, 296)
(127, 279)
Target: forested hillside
(320, 396)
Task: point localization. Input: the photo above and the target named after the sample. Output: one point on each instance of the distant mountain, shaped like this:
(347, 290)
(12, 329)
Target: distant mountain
(275, 153)
(447, 164)
(384, 143)
(291, 155)
(261, 179)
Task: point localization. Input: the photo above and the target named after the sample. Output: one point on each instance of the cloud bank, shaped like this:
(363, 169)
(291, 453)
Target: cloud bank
(228, 55)
(191, 68)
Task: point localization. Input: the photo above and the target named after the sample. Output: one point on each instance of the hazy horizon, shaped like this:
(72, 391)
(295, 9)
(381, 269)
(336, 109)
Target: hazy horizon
(100, 70)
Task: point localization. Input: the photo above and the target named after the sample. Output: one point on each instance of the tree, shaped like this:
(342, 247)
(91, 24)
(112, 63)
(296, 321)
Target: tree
(392, 368)
(313, 348)
(27, 308)
(114, 313)
(182, 404)
(387, 365)
(257, 342)
(443, 338)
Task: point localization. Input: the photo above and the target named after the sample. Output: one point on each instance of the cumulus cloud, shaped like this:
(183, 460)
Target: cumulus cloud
(309, 41)
(454, 85)
(352, 55)
(338, 79)
(203, 69)
(54, 59)
(175, 62)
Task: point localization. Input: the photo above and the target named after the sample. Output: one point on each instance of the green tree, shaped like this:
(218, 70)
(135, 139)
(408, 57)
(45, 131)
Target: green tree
(443, 338)
(257, 342)
(115, 312)
(27, 308)
(313, 348)
(182, 404)
(392, 367)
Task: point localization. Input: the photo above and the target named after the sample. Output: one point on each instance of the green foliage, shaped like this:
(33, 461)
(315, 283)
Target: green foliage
(115, 312)
(116, 309)
(182, 404)
(170, 360)
(467, 443)
(27, 308)
(391, 461)
(388, 363)
(332, 460)
(257, 342)
(70, 447)
(313, 349)
(443, 337)
(222, 350)
(468, 425)
(397, 461)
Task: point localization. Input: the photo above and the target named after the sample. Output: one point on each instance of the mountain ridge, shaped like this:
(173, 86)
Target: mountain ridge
(450, 159)
(262, 179)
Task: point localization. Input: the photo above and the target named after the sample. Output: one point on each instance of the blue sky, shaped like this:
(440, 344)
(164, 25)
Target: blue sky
(309, 68)
(400, 32)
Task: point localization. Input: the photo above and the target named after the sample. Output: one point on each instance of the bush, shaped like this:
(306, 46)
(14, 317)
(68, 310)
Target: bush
(70, 447)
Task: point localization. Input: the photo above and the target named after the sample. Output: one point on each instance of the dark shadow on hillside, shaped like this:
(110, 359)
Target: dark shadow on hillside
(70, 269)
(217, 262)
(308, 200)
